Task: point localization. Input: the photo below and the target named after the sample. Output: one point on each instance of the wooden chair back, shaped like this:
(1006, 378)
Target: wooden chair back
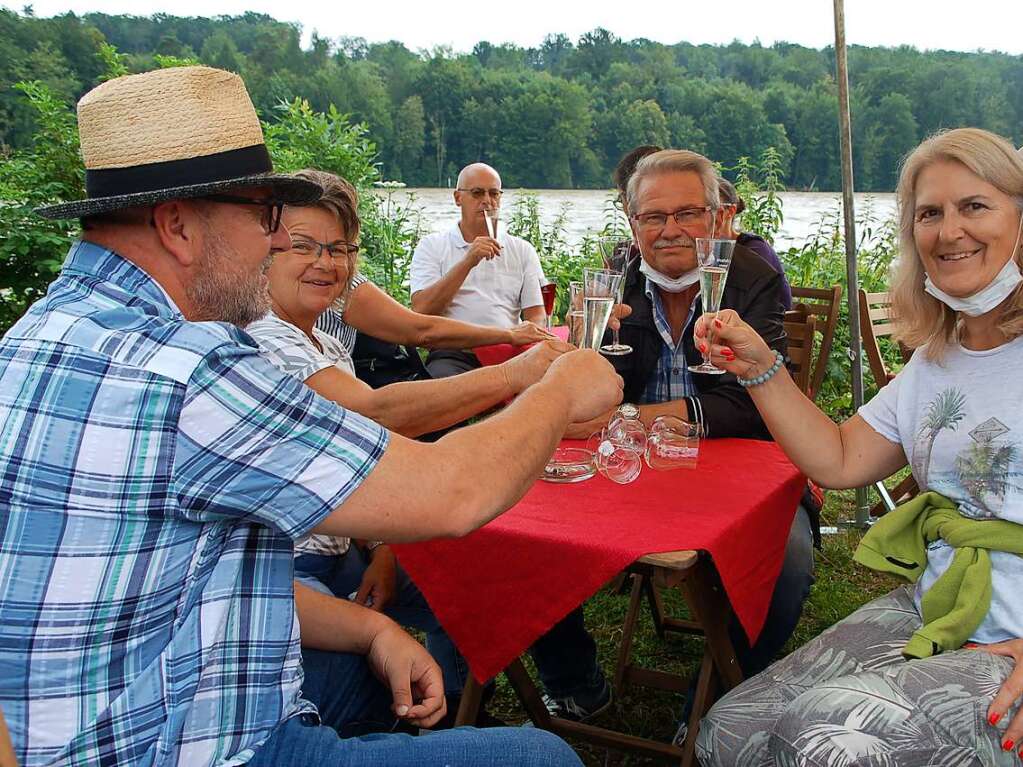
(800, 327)
(876, 322)
(825, 304)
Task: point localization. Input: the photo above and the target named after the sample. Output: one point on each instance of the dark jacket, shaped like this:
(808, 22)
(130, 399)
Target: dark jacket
(722, 406)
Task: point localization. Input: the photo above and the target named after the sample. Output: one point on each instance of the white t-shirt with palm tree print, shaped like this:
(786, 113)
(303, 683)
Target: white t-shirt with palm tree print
(960, 423)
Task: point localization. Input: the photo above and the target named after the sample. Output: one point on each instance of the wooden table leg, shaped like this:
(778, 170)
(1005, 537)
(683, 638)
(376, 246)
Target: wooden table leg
(472, 697)
(706, 595)
(628, 632)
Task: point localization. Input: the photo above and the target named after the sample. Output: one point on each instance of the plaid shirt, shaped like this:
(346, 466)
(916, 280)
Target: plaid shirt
(154, 473)
(671, 378)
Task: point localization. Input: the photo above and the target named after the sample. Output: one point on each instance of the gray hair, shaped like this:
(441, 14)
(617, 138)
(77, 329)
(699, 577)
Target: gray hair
(676, 161)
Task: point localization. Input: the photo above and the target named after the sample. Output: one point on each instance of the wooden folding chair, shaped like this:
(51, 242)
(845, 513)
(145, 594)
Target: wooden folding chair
(876, 322)
(825, 305)
(800, 328)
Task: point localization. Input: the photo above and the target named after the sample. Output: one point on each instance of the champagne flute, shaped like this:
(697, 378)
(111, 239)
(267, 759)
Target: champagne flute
(600, 290)
(713, 258)
(616, 255)
(549, 291)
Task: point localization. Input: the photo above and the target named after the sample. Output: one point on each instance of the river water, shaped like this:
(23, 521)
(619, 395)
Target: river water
(588, 209)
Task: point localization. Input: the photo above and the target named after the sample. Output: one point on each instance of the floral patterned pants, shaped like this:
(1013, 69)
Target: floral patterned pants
(849, 699)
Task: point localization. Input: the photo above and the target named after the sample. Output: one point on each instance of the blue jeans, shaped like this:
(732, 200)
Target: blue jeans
(342, 575)
(354, 706)
(566, 656)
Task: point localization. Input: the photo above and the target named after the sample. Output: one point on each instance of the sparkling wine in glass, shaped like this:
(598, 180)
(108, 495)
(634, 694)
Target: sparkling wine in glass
(616, 255)
(600, 291)
(713, 258)
(549, 291)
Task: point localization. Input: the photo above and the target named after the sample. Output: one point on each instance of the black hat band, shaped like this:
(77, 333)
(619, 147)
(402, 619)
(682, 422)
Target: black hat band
(223, 166)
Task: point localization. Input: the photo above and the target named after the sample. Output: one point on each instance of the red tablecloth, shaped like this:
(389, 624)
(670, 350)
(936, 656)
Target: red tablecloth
(495, 354)
(500, 588)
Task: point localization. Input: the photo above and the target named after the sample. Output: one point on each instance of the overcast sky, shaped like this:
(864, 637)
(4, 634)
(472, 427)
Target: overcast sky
(926, 24)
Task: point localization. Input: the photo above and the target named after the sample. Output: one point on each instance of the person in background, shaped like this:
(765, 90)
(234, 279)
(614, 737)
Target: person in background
(734, 206)
(469, 274)
(313, 274)
(930, 673)
(157, 471)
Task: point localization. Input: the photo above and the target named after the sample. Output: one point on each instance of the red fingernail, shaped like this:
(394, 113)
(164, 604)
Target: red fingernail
(994, 719)
(703, 347)
(1007, 745)
(717, 324)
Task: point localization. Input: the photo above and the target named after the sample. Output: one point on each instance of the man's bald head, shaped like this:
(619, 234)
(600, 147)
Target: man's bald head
(478, 175)
(479, 190)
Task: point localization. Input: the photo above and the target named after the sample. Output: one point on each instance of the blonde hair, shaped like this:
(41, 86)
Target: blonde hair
(675, 161)
(921, 319)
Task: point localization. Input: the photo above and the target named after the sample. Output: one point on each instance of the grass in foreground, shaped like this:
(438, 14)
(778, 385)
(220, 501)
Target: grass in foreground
(842, 586)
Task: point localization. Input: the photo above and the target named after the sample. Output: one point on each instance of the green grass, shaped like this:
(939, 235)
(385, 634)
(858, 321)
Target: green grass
(842, 586)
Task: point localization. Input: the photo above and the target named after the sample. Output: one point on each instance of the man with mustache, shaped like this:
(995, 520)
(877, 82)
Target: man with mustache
(672, 199)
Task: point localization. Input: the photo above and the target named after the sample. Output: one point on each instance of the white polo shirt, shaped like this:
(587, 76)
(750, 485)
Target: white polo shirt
(496, 290)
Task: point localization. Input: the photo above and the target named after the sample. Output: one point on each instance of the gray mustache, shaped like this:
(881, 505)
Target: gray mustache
(677, 242)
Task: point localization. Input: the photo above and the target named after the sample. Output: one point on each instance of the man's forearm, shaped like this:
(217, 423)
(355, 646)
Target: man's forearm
(534, 314)
(449, 488)
(436, 298)
(337, 625)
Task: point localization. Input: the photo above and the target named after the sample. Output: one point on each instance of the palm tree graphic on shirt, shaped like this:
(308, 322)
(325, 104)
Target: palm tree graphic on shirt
(943, 412)
(984, 468)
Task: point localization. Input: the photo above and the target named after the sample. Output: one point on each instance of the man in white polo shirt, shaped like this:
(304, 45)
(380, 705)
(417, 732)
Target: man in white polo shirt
(466, 274)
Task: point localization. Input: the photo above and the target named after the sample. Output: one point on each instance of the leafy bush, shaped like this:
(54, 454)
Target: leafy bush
(302, 138)
(33, 248)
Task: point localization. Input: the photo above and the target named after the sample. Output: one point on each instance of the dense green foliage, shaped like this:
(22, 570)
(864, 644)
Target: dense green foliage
(558, 115)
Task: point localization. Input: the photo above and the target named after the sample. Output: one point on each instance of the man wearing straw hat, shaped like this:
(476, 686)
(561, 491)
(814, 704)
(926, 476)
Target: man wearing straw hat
(156, 470)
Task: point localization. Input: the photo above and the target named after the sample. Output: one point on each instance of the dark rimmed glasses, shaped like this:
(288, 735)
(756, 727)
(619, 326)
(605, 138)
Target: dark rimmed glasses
(272, 209)
(684, 217)
(311, 249)
(479, 193)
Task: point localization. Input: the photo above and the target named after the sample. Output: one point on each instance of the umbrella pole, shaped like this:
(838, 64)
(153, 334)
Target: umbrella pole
(852, 294)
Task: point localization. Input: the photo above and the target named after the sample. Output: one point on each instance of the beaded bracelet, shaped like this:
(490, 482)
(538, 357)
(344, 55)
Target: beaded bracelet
(779, 360)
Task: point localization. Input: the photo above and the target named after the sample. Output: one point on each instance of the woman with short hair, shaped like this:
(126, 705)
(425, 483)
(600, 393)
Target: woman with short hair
(953, 414)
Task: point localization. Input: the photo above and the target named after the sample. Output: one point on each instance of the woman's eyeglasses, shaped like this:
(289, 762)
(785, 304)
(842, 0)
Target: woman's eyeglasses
(312, 250)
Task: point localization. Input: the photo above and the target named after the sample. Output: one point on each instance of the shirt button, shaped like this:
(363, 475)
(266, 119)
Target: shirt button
(674, 371)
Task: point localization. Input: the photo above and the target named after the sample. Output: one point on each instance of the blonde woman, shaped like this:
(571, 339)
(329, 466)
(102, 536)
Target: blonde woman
(954, 416)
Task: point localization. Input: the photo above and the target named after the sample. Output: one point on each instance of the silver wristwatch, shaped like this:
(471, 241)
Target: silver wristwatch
(629, 410)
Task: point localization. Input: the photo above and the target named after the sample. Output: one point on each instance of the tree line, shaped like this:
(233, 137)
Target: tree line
(558, 115)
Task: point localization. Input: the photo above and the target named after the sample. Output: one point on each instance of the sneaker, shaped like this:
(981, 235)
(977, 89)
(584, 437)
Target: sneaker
(578, 709)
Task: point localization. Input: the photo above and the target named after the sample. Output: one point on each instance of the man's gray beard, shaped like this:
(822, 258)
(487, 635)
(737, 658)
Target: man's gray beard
(223, 292)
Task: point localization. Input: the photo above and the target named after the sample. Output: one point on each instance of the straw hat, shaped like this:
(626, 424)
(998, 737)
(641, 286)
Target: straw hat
(172, 134)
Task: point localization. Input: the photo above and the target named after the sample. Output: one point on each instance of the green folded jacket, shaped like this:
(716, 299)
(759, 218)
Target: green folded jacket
(959, 600)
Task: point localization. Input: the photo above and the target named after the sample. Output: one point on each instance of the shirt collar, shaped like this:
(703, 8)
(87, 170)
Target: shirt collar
(92, 260)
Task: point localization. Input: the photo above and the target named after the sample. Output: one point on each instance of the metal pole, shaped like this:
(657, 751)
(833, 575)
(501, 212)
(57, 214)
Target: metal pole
(852, 294)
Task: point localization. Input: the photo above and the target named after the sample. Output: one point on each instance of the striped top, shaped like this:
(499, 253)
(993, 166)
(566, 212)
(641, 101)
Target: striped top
(332, 321)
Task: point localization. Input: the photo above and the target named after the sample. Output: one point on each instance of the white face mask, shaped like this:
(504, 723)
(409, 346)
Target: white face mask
(666, 283)
(987, 298)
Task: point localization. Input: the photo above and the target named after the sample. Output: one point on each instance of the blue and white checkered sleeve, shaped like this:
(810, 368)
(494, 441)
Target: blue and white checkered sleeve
(254, 443)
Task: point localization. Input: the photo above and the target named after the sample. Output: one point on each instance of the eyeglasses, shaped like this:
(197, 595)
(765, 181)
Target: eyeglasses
(479, 193)
(271, 218)
(312, 250)
(684, 217)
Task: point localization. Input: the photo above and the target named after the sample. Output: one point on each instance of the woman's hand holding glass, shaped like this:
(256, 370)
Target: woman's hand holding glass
(734, 345)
